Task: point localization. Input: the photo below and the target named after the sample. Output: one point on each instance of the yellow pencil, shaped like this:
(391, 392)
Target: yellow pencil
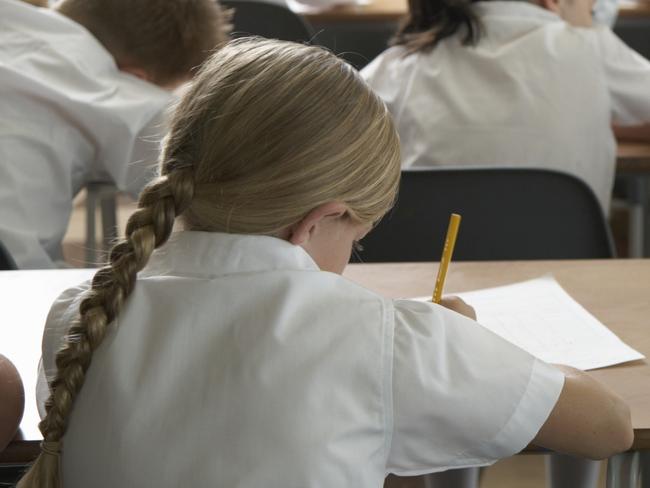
(448, 250)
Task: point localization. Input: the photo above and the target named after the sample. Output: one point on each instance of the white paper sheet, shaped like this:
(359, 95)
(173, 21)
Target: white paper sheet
(543, 319)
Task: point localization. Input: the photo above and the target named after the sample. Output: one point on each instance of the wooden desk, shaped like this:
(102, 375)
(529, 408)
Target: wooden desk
(394, 10)
(633, 157)
(617, 292)
(634, 9)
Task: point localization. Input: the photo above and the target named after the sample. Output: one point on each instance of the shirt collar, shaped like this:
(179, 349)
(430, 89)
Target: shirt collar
(207, 254)
(514, 8)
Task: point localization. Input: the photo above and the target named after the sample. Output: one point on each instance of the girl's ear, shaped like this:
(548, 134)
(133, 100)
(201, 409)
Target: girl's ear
(301, 232)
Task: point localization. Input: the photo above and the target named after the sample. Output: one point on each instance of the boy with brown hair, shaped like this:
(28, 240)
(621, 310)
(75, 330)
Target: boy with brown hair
(83, 90)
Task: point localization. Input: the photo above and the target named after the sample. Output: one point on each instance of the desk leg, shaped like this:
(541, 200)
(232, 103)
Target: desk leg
(91, 244)
(457, 478)
(637, 200)
(623, 470)
(644, 189)
(645, 469)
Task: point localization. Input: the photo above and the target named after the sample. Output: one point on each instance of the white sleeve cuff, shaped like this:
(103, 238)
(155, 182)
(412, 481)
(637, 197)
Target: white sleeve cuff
(543, 390)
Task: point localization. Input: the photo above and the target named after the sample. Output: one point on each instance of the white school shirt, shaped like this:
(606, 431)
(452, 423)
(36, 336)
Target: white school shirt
(238, 363)
(535, 91)
(67, 116)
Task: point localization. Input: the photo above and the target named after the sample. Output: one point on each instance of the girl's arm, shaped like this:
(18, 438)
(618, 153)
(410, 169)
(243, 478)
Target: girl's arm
(12, 401)
(588, 420)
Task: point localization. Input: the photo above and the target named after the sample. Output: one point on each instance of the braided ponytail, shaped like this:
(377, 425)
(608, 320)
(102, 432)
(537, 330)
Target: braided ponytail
(147, 229)
(430, 21)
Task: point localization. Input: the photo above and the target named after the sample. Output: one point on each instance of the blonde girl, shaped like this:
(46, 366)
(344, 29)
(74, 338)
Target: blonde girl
(232, 352)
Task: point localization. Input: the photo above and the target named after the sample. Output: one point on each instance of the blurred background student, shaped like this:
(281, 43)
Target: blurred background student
(83, 91)
(512, 83)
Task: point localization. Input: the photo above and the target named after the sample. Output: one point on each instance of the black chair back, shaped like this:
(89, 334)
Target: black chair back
(508, 214)
(258, 18)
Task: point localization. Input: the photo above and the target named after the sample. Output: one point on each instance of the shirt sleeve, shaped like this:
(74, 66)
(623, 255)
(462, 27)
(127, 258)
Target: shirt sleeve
(131, 169)
(130, 141)
(391, 76)
(462, 396)
(627, 76)
(143, 165)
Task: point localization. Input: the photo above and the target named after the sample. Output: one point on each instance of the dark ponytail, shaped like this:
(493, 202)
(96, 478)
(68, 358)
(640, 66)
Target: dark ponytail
(431, 21)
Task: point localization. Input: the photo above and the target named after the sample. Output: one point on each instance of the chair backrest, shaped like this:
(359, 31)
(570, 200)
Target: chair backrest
(7, 263)
(259, 18)
(508, 214)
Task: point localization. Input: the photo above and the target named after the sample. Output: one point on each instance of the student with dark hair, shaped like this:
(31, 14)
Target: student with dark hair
(512, 83)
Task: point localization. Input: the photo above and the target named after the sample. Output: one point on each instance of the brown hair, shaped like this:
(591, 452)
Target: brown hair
(167, 39)
(430, 21)
(268, 131)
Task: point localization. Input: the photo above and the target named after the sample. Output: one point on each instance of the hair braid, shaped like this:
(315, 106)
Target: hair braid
(147, 229)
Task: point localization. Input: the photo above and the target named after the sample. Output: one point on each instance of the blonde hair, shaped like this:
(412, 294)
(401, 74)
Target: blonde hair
(269, 131)
(168, 39)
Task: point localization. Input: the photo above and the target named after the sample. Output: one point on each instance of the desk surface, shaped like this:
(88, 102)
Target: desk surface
(393, 10)
(633, 157)
(26, 300)
(615, 291)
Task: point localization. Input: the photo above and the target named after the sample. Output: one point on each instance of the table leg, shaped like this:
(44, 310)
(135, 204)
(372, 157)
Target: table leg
(91, 244)
(565, 471)
(623, 470)
(645, 202)
(637, 201)
(457, 478)
(645, 469)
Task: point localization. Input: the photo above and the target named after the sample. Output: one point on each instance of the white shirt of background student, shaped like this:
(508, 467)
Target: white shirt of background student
(535, 91)
(68, 116)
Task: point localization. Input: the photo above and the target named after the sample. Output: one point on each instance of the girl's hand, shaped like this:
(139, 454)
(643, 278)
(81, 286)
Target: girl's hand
(458, 305)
